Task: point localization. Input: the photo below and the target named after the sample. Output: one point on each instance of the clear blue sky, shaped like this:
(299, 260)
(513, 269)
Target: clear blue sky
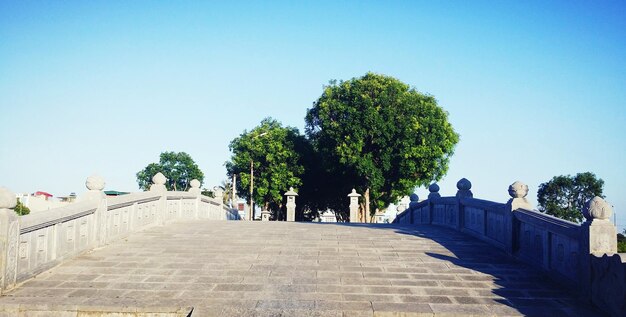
(536, 89)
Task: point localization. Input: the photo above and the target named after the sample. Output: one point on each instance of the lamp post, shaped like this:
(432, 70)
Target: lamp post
(251, 217)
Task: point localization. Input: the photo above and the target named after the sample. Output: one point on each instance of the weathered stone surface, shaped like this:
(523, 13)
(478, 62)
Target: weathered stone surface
(299, 269)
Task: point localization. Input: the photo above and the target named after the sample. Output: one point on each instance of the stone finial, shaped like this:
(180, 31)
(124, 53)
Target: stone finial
(434, 191)
(194, 183)
(354, 193)
(518, 190)
(8, 199)
(95, 182)
(414, 198)
(195, 187)
(158, 183)
(291, 192)
(159, 179)
(464, 186)
(597, 209)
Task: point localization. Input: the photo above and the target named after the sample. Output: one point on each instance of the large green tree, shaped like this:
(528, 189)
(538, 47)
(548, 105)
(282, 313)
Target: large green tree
(381, 136)
(179, 169)
(274, 153)
(564, 196)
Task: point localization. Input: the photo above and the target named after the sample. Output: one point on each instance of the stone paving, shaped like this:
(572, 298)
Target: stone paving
(299, 269)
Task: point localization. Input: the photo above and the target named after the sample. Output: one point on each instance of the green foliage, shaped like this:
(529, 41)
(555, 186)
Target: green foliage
(178, 168)
(621, 242)
(377, 133)
(274, 152)
(565, 196)
(20, 209)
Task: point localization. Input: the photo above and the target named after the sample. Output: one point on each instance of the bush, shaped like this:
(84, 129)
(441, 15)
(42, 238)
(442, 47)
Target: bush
(621, 243)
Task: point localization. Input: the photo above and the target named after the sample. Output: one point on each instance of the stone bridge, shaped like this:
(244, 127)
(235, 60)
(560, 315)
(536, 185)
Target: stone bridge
(163, 253)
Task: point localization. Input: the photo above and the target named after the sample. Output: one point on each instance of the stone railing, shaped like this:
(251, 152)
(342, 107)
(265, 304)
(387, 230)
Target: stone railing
(583, 256)
(34, 243)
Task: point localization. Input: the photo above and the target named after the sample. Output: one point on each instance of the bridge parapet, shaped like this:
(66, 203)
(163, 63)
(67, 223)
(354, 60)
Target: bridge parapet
(583, 256)
(34, 243)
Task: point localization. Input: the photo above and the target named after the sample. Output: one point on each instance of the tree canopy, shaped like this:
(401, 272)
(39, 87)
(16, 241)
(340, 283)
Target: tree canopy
(275, 153)
(381, 136)
(179, 169)
(565, 196)
(20, 209)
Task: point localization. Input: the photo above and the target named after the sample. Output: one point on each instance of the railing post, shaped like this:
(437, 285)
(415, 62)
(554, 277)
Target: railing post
(291, 204)
(413, 200)
(464, 187)
(433, 197)
(354, 205)
(219, 196)
(518, 192)
(9, 240)
(95, 184)
(158, 186)
(195, 190)
(598, 237)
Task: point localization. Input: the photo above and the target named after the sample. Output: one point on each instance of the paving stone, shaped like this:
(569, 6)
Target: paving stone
(298, 269)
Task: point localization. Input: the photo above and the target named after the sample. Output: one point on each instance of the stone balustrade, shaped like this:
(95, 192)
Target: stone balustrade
(582, 256)
(34, 243)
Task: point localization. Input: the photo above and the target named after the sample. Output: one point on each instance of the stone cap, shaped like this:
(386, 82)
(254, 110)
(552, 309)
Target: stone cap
(159, 179)
(518, 190)
(95, 182)
(597, 208)
(7, 198)
(291, 192)
(354, 193)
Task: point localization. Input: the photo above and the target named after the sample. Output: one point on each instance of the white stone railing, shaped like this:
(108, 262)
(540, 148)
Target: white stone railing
(583, 256)
(34, 243)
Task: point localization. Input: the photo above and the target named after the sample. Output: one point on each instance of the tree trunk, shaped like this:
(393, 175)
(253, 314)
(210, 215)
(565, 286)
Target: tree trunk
(367, 205)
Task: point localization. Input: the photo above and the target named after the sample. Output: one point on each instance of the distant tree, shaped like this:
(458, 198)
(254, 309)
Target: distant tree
(564, 196)
(381, 136)
(621, 242)
(271, 149)
(20, 209)
(178, 168)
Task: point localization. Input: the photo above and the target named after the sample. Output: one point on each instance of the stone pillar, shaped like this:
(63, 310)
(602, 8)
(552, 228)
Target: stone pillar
(9, 240)
(601, 232)
(158, 183)
(434, 191)
(195, 187)
(518, 192)
(598, 237)
(158, 186)
(291, 204)
(354, 205)
(413, 200)
(219, 194)
(265, 215)
(464, 187)
(95, 184)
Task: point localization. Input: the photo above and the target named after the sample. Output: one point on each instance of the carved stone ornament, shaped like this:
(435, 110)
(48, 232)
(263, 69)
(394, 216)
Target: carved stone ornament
(95, 182)
(597, 208)
(464, 184)
(194, 183)
(518, 190)
(414, 197)
(7, 198)
(433, 188)
(159, 179)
